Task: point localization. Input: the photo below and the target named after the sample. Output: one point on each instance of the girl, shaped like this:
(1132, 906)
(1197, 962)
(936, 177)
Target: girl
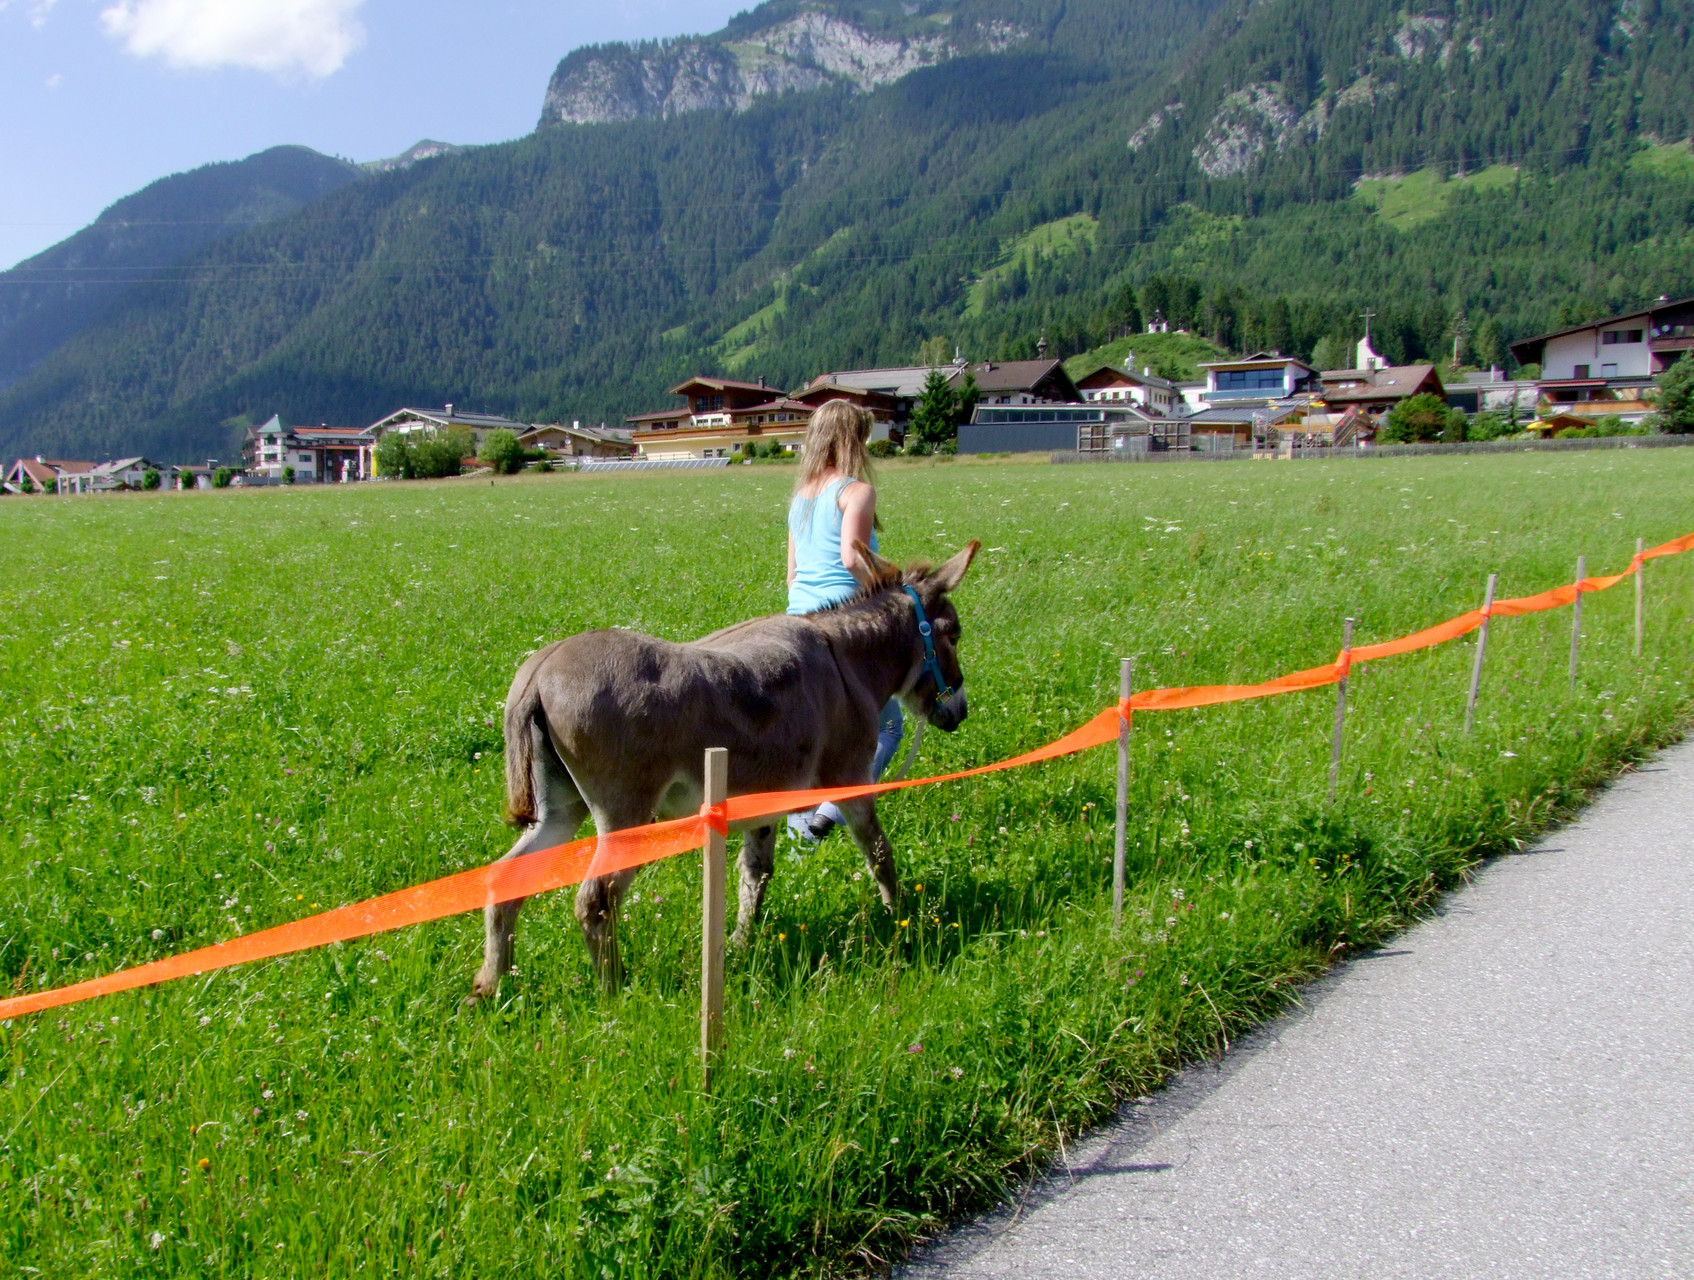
(833, 507)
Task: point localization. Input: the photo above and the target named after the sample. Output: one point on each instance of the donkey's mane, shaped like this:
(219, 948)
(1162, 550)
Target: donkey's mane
(914, 573)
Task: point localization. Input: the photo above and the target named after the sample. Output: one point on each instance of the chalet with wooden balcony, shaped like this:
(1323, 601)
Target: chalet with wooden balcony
(1608, 366)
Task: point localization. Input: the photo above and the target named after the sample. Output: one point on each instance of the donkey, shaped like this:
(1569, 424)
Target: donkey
(615, 724)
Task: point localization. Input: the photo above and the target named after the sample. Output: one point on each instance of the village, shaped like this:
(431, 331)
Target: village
(1591, 379)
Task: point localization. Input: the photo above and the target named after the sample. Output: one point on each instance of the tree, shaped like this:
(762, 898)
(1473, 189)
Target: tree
(150, 479)
(1332, 352)
(1676, 398)
(288, 475)
(222, 476)
(423, 455)
(1491, 344)
(501, 451)
(934, 352)
(935, 415)
(1126, 312)
(965, 400)
(1419, 418)
(394, 456)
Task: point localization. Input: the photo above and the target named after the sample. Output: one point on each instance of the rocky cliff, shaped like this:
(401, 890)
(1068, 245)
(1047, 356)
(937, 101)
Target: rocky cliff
(729, 71)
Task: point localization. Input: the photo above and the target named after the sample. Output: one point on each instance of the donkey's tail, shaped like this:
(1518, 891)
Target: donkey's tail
(525, 726)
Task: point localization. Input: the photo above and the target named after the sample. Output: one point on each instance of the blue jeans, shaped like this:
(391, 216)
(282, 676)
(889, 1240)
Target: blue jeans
(890, 727)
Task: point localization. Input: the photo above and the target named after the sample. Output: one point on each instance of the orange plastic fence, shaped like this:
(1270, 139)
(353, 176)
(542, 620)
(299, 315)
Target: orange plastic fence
(571, 863)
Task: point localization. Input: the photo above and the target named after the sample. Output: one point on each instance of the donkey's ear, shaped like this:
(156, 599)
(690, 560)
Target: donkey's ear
(884, 573)
(949, 575)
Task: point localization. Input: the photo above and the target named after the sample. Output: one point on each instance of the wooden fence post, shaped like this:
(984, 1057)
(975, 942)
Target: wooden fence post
(1576, 618)
(714, 872)
(1340, 708)
(1126, 682)
(1640, 590)
(1481, 647)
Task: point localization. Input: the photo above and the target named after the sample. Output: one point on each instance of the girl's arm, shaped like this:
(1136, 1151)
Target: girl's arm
(791, 560)
(858, 512)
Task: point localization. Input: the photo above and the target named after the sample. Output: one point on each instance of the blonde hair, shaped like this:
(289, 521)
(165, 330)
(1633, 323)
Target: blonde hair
(835, 439)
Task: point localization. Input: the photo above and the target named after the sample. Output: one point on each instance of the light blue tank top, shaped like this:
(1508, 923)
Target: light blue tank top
(820, 579)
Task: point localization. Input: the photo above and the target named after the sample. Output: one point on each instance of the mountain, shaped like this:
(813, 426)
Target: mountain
(809, 51)
(1259, 171)
(428, 149)
(50, 297)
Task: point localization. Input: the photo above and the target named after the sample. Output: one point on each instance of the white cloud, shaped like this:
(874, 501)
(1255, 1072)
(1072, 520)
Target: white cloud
(55, 80)
(310, 37)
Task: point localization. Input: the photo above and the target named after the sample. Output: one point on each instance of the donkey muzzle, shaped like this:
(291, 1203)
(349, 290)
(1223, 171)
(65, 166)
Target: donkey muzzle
(949, 713)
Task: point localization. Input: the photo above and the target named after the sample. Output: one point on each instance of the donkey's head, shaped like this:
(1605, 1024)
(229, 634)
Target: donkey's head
(938, 691)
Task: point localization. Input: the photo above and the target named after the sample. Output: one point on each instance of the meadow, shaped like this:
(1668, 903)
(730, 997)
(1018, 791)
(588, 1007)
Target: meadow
(224, 710)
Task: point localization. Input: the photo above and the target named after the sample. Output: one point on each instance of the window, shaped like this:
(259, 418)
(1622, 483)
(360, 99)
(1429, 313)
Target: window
(1620, 337)
(1581, 371)
(1608, 371)
(1249, 380)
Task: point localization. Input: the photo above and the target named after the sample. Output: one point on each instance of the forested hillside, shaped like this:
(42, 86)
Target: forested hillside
(47, 298)
(1258, 172)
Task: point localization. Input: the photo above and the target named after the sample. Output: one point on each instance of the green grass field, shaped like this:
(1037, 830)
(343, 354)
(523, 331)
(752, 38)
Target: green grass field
(224, 710)
(1412, 199)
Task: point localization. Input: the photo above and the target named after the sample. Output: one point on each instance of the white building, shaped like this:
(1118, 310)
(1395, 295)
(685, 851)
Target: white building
(1265, 375)
(1608, 366)
(1145, 390)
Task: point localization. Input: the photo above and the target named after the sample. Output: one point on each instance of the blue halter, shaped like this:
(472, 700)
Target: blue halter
(944, 689)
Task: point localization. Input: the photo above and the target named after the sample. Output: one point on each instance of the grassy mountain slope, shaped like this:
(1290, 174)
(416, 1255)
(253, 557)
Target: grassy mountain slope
(48, 298)
(1260, 173)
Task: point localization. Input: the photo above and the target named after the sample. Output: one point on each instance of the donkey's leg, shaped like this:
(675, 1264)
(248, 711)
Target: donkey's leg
(867, 832)
(559, 814)
(598, 900)
(758, 848)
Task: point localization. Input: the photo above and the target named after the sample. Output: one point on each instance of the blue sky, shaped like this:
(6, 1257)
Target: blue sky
(100, 97)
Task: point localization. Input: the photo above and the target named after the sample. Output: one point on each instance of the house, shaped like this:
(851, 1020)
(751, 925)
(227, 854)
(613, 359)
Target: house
(1608, 366)
(1634, 347)
(1017, 382)
(719, 417)
(74, 477)
(1377, 390)
(578, 441)
(1491, 390)
(63, 475)
(710, 401)
(1263, 376)
(328, 455)
(122, 473)
(902, 385)
(1146, 390)
(409, 420)
(32, 475)
(778, 424)
(888, 409)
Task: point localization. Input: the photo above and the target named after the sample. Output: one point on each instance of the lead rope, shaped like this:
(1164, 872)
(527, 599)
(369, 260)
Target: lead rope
(917, 739)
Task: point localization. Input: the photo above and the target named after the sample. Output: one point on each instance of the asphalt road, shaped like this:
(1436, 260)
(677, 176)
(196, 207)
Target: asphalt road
(1505, 1091)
